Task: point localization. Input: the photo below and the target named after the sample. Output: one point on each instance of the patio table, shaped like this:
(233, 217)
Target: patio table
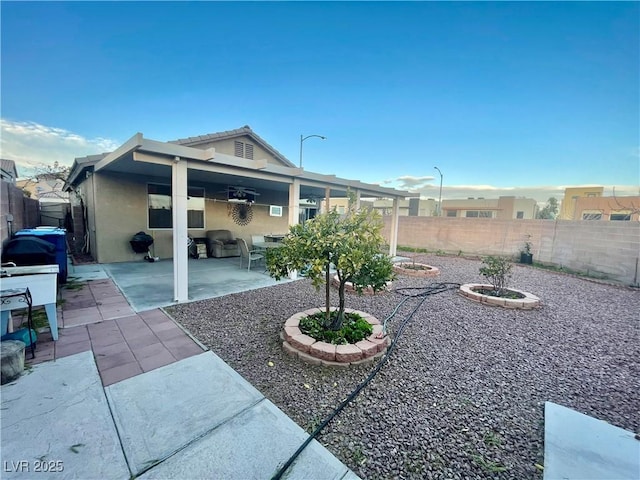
(266, 245)
(274, 237)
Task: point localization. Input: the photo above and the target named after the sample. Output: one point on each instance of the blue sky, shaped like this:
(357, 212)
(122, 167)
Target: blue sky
(505, 98)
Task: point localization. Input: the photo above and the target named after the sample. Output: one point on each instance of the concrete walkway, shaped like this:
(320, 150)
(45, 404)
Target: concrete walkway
(124, 394)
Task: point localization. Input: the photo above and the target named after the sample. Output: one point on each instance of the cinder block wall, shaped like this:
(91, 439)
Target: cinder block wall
(25, 210)
(607, 249)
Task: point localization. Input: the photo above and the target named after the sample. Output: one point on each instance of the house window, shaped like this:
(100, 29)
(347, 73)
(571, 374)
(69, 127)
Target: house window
(620, 216)
(160, 208)
(243, 150)
(520, 215)
(479, 214)
(275, 210)
(592, 215)
(452, 213)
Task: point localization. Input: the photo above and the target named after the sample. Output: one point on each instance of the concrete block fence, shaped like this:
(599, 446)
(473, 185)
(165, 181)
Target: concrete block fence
(606, 249)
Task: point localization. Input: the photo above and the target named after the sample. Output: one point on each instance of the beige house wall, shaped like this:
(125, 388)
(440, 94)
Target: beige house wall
(571, 194)
(607, 206)
(121, 210)
(228, 147)
(607, 249)
(505, 207)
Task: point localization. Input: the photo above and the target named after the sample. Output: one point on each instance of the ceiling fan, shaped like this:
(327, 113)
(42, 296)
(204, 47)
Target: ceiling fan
(239, 194)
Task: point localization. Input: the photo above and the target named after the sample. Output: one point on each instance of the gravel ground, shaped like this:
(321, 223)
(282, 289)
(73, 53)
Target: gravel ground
(463, 394)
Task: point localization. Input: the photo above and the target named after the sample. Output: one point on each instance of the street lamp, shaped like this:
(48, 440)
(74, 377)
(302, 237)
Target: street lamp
(440, 199)
(302, 139)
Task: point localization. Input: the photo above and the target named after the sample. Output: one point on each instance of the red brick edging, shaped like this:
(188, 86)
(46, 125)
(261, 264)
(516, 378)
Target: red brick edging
(529, 301)
(430, 270)
(348, 286)
(311, 351)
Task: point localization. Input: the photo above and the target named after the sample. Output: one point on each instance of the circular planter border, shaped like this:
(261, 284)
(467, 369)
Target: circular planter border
(411, 272)
(529, 301)
(309, 350)
(348, 287)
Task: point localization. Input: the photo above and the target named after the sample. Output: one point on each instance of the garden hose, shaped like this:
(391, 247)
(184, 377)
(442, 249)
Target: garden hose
(424, 294)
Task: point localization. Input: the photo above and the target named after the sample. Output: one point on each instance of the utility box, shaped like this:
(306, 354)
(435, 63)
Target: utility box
(56, 236)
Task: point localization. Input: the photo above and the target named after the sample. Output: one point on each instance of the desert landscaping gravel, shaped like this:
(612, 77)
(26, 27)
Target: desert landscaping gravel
(462, 395)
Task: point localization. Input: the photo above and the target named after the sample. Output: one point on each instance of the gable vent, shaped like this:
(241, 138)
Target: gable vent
(243, 150)
(239, 149)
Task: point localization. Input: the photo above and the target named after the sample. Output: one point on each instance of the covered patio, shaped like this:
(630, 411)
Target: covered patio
(150, 285)
(115, 188)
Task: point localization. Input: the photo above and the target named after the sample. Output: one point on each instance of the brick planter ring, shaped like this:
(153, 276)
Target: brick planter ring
(311, 351)
(426, 271)
(348, 286)
(528, 301)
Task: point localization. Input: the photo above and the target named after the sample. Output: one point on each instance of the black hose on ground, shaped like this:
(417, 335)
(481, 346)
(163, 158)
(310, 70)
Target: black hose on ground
(425, 292)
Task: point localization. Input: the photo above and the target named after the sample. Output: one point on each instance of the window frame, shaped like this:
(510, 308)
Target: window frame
(626, 214)
(191, 192)
(591, 215)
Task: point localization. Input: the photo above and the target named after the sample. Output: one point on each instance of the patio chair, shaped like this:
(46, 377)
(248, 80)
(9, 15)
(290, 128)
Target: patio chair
(250, 255)
(257, 239)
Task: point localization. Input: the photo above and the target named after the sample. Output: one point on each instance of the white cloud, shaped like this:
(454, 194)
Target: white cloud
(408, 182)
(541, 193)
(30, 145)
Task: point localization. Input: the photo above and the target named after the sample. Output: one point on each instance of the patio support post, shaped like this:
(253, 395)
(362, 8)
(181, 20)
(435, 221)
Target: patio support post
(393, 240)
(294, 212)
(294, 202)
(180, 251)
(327, 199)
(356, 204)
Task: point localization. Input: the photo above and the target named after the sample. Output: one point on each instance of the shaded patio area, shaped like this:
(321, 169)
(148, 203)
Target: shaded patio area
(150, 285)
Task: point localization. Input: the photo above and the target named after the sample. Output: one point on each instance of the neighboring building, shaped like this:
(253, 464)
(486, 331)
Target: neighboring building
(505, 207)
(408, 207)
(231, 180)
(8, 171)
(607, 208)
(571, 195)
(46, 187)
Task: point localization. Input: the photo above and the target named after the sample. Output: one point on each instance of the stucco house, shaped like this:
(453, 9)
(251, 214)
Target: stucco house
(231, 180)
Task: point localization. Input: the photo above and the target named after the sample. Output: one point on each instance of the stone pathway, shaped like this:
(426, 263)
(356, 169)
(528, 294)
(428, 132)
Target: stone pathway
(97, 317)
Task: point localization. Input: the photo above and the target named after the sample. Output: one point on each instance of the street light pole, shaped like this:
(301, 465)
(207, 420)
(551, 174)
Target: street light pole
(302, 139)
(440, 198)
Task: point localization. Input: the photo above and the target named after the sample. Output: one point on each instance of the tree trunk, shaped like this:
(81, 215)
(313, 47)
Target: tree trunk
(327, 300)
(336, 324)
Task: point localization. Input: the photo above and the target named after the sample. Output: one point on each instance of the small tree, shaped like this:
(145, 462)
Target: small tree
(351, 243)
(497, 270)
(549, 211)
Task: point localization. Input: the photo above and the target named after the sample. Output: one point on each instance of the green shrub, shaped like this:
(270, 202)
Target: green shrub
(354, 328)
(497, 270)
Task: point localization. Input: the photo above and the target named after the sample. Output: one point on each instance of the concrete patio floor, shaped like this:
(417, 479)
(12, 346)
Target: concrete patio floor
(150, 285)
(126, 394)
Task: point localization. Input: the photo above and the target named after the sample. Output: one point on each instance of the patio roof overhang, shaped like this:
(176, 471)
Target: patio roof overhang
(142, 156)
(151, 158)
